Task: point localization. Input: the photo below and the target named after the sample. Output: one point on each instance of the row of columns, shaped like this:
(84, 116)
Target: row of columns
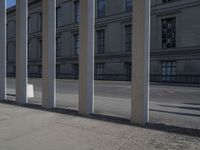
(140, 57)
(21, 51)
(2, 49)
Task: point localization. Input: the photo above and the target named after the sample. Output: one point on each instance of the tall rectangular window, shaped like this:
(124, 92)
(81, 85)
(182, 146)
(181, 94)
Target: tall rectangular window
(168, 70)
(40, 22)
(58, 16)
(100, 41)
(40, 69)
(29, 48)
(40, 49)
(169, 33)
(128, 38)
(75, 71)
(129, 6)
(58, 46)
(76, 44)
(29, 24)
(99, 71)
(7, 49)
(101, 8)
(14, 70)
(58, 68)
(128, 66)
(77, 11)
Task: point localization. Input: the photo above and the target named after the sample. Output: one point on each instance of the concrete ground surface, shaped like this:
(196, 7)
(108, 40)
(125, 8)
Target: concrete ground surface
(174, 120)
(23, 128)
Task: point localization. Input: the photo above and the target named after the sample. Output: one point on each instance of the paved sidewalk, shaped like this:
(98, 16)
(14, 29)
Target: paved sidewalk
(32, 128)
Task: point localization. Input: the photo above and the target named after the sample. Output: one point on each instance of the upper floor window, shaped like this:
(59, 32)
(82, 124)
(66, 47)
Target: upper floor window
(77, 11)
(11, 30)
(128, 38)
(101, 8)
(29, 24)
(58, 46)
(58, 16)
(76, 44)
(169, 33)
(40, 22)
(129, 4)
(100, 41)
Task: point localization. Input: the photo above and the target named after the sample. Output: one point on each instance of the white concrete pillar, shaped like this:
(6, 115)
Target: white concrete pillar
(3, 49)
(21, 51)
(140, 61)
(86, 60)
(49, 51)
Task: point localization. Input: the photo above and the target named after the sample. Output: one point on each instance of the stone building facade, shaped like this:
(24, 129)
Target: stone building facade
(175, 40)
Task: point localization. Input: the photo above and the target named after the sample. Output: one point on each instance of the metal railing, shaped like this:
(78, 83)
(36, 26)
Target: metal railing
(184, 79)
(67, 76)
(113, 77)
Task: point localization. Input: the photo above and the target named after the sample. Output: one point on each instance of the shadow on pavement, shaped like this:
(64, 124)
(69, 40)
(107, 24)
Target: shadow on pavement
(181, 107)
(174, 129)
(152, 126)
(192, 103)
(177, 113)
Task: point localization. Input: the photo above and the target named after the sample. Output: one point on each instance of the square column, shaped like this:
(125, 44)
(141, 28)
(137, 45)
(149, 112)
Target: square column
(48, 54)
(21, 51)
(3, 49)
(86, 60)
(140, 62)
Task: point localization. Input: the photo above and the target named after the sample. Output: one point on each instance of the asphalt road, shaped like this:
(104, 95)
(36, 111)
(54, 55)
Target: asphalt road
(172, 105)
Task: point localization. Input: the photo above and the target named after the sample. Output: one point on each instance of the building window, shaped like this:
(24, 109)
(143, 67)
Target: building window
(101, 9)
(168, 70)
(29, 49)
(100, 41)
(76, 44)
(7, 28)
(99, 71)
(40, 22)
(77, 11)
(58, 16)
(129, 6)
(58, 47)
(75, 71)
(128, 37)
(29, 24)
(57, 68)
(14, 70)
(40, 69)
(169, 33)
(39, 54)
(7, 49)
(128, 67)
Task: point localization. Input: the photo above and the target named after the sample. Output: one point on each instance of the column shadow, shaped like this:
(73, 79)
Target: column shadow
(181, 107)
(151, 126)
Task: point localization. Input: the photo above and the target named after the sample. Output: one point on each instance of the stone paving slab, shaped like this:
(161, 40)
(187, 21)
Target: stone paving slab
(26, 128)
